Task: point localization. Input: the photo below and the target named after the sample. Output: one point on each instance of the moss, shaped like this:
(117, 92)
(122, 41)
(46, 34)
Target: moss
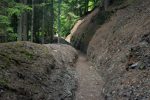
(2, 66)
(131, 1)
(17, 54)
(5, 62)
(103, 17)
(118, 2)
(27, 54)
(123, 2)
(3, 82)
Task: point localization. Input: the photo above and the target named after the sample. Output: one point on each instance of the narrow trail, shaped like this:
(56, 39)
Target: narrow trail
(89, 81)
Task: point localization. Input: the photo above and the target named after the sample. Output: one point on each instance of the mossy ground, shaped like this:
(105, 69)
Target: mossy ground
(32, 71)
(3, 82)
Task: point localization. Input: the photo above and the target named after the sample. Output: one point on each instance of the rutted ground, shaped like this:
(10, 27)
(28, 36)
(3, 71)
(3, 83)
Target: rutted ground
(89, 82)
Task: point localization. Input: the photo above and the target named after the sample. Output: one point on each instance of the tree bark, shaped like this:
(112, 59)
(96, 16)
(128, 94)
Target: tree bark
(22, 25)
(43, 24)
(51, 21)
(19, 29)
(25, 30)
(32, 24)
(59, 21)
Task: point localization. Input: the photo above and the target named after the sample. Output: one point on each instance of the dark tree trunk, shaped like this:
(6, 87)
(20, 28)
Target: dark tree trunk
(106, 4)
(32, 20)
(19, 29)
(51, 32)
(22, 25)
(48, 22)
(59, 21)
(25, 25)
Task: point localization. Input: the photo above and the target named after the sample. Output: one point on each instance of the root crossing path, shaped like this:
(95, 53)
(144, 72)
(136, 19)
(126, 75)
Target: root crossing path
(89, 81)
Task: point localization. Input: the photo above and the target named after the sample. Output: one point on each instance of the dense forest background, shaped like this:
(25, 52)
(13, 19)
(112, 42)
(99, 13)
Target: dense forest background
(39, 20)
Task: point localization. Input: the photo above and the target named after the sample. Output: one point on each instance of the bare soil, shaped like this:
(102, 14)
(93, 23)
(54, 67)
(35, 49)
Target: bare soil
(120, 50)
(89, 81)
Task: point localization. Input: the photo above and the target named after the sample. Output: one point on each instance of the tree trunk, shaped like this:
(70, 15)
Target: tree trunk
(59, 21)
(19, 29)
(24, 32)
(51, 21)
(22, 25)
(43, 24)
(32, 24)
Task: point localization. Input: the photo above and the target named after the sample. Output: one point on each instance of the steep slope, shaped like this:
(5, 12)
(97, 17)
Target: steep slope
(86, 27)
(121, 51)
(84, 30)
(31, 71)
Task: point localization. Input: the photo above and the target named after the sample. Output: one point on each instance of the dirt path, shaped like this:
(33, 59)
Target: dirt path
(90, 82)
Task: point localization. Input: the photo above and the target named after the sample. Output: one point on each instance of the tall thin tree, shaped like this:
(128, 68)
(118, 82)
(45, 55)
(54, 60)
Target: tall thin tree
(59, 20)
(43, 24)
(32, 22)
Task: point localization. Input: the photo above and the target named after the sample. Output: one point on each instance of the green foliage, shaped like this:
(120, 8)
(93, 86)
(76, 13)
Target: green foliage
(68, 21)
(12, 36)
(91, 5)
(68, 17)
(71, 11)
(18, 9)
(9, 8)
(4, 19)
(4, 22)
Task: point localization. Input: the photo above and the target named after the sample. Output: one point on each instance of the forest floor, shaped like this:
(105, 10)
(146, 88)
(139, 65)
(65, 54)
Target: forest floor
(89, 81)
